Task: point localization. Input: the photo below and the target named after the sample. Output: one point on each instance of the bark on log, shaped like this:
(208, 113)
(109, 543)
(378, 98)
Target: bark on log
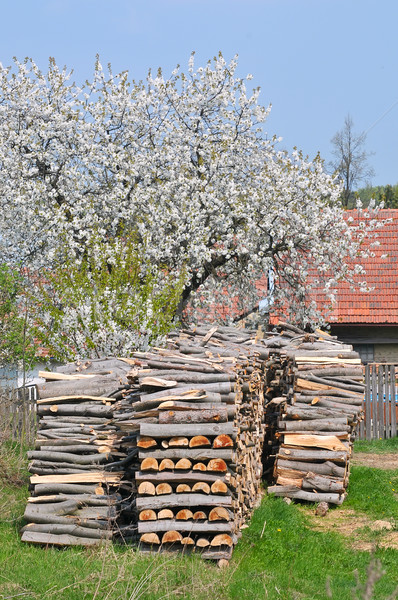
(326, 468)
(189, 500)
(193, 416)
(190, 526)
(292, 492)
(166, 431)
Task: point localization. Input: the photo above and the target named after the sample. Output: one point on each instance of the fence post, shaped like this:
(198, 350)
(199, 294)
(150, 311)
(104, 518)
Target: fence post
(393, 402)
(368, 406)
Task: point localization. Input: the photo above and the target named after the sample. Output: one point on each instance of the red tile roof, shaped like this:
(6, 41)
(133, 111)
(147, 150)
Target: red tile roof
(379, 306)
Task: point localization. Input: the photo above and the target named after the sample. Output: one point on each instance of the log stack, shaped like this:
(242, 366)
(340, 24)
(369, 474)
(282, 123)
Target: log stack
(168, 448)
(319, 419)
(74, 500)
(198, 417)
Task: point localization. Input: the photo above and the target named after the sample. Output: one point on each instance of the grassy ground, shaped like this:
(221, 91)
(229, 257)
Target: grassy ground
(286, 553)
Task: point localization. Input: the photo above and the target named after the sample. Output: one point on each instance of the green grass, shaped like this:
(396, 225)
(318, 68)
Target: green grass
(280, 556)
(377, 446)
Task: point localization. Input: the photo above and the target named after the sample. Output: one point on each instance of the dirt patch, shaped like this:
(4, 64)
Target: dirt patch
(376, 461)
(360, 531)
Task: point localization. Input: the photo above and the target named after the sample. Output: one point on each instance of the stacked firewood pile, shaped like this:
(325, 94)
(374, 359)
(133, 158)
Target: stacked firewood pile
(198, 417)
(74, 500)
(319, 417)
(168, 448)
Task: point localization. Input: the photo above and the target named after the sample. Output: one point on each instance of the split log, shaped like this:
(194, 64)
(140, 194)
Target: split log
(199, 515)
(219, 513)
(98, 386)
(221, 540)
(166, 464)
(183, 464)
(201, 486)
(146, 488)
(217, 464)
(199, 441)
(147, 515)
(163, 488)
(184, 515)
(183, 488)
(317, 441)
(165, 513)
(223, 441)
(149, 464)
(150, 538)
(171, 537)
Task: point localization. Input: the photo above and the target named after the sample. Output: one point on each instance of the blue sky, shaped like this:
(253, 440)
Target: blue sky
(315, 60)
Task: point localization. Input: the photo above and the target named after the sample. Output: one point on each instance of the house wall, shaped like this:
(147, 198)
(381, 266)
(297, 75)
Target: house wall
(386, 353)
(375, 343)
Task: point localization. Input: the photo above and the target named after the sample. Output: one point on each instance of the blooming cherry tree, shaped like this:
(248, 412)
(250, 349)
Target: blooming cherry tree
(183, 164)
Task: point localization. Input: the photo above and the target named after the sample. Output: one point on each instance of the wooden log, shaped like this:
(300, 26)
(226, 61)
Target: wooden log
(191, 429)
(85, 478)
(202, 543)
(199, 515)
(178, 441)
(199, 454)
(193, 416)
(191, 377)
(166, 464)
(201, 486)
(310, 412)
(313, 481)
(79, 459)
(183, 464)
(190, 500)
(163, 488)
(198, 441)
(311, 455)
(337, 424)
(183, 526)
(47, 539)
(165, 513)
(147, 515)
(219, 513)
(217, 464)
(171, 537)
(199, 467)
(73, 399)
(223, 441)
(219, 487)
(149, 464)
(146, 442)
(76, 409)
(326, 468)
(221, 540)
(74, 530)
(292, 492)
(98, 386)
(183, 488)
(317, 441)
(146, 488)
(187, 541)
(67, 488)
(184, 515)
(150, 538)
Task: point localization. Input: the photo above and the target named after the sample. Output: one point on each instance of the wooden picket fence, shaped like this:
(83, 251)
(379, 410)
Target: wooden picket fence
(18, 420)
(381, 402)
